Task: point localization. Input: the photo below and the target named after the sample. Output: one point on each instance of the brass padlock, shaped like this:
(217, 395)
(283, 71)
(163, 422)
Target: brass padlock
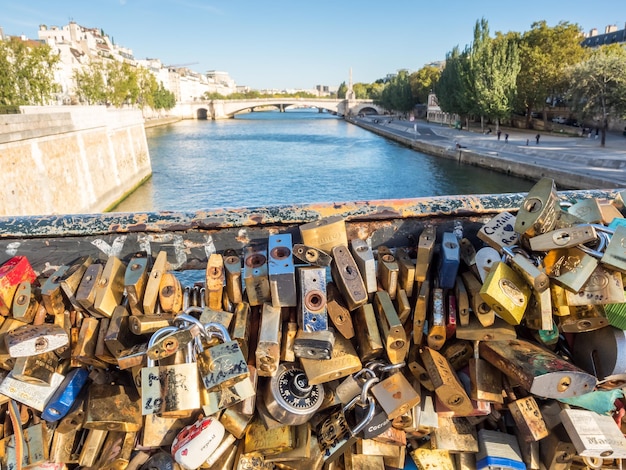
(170, 294)
(25, 304)
(539, 210)
(419, 314)
(214, 282)
(588, 210)
(166, 389)
(232, 268)
(483, 312)
(406, 278)
(343, 362)
(267, 352)
(153, 284)
(338, 311)
(425, 252)
(604, 286)
(135, 280)
(221, 365)
(391, 329)
(112, 407)
(395, 394)
(51, 292)
(569, 267)
(240, 331)
(110, 287)
(325, 233)
(86, 293)
(368, 338)
(485, 379)
(388, 271)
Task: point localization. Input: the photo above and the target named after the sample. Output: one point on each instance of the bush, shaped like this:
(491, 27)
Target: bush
(9, 109)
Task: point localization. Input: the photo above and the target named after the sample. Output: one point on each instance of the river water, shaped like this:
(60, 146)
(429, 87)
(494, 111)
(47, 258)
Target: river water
(300, 156)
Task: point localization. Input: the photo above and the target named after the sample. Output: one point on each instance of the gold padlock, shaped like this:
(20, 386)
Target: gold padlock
(368, 336)
(506, 293)
(539, 210)
(391, 329)
(343, 362)
(325, 233)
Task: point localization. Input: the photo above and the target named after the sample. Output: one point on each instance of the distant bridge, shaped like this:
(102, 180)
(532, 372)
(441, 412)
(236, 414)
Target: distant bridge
(225, 109)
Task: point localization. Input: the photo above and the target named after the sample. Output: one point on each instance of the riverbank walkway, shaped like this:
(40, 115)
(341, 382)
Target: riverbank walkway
(582, 156)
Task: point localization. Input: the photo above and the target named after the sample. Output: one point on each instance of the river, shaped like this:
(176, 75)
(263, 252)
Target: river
(300, 156)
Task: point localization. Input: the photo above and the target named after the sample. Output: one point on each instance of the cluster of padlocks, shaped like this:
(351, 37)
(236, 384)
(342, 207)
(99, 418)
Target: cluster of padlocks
(505, 349)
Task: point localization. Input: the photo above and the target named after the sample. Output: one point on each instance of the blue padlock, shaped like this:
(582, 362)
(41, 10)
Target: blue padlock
(65, 396)
(449, 260)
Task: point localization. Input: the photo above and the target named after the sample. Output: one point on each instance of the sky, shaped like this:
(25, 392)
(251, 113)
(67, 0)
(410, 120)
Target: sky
(298, 44)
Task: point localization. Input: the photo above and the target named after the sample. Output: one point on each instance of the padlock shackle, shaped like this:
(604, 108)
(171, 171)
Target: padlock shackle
(369, 383)
(158, 334)
(597, 252)
(217, 329)
(366, 419)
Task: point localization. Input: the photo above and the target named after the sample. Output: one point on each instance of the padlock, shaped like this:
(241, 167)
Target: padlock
(222, 317)
(368, 338)
(195, 443)
(422, 303)
(290, 330)
(51, 295)
(437, 324)
(391, 329)
(406, 276)
(588, 210)
(66, 395)
(135, 280)
(314, 344)
(393, 456)
(604, 286)
(170, 294)
(301, 451)
(556, 450)
(498, 449)
(84, 349)
(446, 382)
(311, 255)
(70, 281)
(526, 268)
(583, 318)
(458, 353)
(567, 237)
(538, 371)
(232, 272)
(569, 267)
(13, 272)
(267, 352)
(425, 252)
(34, 448)
(91, 448)
(86, 293)
(241, 325)
(395, 394)
(112, 407)
(352, 385)
(275, 440)
(348, 278)
(539, 210)
(506, 293)
(483, 312)
(36, 369)
(167, 389)
(364, 259)
(335, 436)
(281, 271)
(499, 232)
(290, 398)
(425, 457)
(402, 305)
(594, 435)
(255, 274)
(215, 279)
(25, 304)
(65, 435)
(325, 234)
(387, 271)
(153, 284)
(116, 450)
(449, 260)
(454, 434)
(615, 253)
(33, 395)
(601, 353)
(221, 365)
(312, 312)
(485, 379)
(343, 362)
(379, 422)
(119, 336)
(110, 287)
(27, 340)
(338, 311)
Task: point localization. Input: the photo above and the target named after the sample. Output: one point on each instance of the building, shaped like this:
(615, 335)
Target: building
(611, 36)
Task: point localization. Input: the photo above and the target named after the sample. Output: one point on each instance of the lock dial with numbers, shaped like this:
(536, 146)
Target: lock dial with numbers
(290, 398)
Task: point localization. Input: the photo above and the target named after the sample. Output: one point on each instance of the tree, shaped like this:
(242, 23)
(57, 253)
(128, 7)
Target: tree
(26, 73)
(396, 95)
(122, 86)
(423, 81)
(163, 98)
(342, 90)
(90, 83)
(598, 85)
(454, 89)
(545, 53)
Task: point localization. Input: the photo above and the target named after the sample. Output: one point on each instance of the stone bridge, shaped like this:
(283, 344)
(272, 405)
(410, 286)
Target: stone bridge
(225, 109)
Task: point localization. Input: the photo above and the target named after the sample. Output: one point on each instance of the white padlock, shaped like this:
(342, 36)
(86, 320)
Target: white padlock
(195, 443)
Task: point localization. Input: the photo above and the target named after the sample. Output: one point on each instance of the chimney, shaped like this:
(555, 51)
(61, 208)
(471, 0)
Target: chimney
(593, 32)
(610, 29)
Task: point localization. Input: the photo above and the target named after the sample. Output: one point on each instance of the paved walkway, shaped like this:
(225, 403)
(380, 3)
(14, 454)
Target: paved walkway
(577, 155)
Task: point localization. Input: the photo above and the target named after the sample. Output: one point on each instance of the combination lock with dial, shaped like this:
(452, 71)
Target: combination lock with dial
(289, 397)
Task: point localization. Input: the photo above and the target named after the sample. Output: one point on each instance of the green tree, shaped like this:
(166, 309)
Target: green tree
(90, 83)
(147, 86)
(598, 85)
(396, 95)
(494, 65)
(122, 84)
(545, 53)
(423, 82)
(163, 98)
(26, 73)
(342, 90)
(454, 89)
(361, 91)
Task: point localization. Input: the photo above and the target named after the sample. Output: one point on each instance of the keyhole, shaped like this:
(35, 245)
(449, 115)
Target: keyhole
(533, 205)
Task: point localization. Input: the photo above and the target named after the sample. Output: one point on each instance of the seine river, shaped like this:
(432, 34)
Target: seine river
(300, 156)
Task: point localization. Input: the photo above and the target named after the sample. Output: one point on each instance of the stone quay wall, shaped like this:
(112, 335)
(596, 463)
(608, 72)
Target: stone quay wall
(70, 159)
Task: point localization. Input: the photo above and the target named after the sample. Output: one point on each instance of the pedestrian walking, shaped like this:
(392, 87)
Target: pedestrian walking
(506, 138)
(537, 138)
(499, 132)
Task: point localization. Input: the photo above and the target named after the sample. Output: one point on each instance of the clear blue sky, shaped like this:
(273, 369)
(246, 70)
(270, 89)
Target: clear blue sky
(301, 43)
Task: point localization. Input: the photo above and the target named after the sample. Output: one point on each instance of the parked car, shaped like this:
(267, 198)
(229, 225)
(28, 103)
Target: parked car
(559, 119)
